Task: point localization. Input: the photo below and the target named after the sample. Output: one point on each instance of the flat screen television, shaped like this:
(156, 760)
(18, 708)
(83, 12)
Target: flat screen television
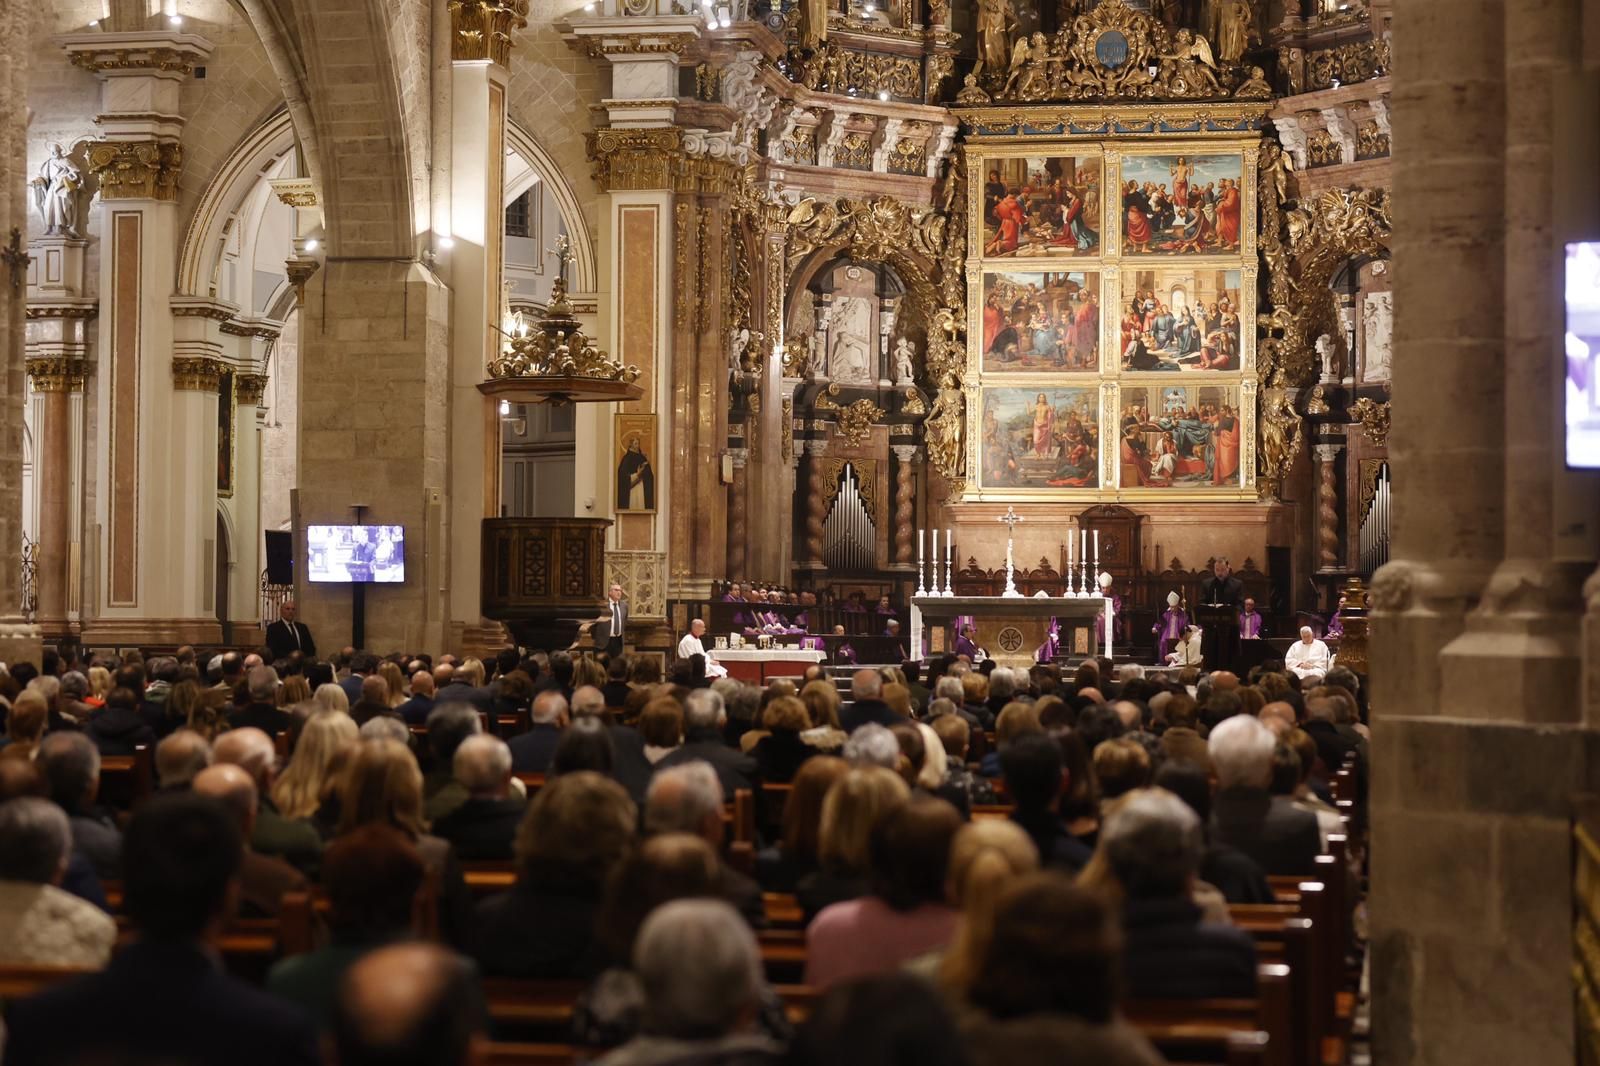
(356, 554)
(1582, 346)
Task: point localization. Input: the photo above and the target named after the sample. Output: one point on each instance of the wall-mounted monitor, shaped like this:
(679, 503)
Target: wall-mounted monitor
(356, 554)
(1582, 346)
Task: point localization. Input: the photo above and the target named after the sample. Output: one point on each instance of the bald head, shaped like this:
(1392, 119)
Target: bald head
(549, 708)
(406, 1005)
(234, 788)
(422, 683)
(1224, 681)
(443, 674)
(1277, 716)
(1092, 693)
(251, 750)
(180, 756)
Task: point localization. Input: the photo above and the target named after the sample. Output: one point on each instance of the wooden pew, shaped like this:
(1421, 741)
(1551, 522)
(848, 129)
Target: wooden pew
(498, 1054)
(1180, 1027)
(20, 982)
(127, 780)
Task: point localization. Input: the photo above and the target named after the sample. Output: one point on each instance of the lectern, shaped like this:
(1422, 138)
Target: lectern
(1219, 634)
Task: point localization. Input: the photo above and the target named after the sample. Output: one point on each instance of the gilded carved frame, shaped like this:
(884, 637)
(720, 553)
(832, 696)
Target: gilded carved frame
(1107, 140)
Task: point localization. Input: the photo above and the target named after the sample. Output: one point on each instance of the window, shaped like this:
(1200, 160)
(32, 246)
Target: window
(519, 217)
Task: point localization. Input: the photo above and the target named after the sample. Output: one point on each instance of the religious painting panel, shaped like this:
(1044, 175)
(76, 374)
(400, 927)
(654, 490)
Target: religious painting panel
(225, 433)
(1180, 436)
(1040, 438)
(635, 448)
(1041, 206)
(1175, 204)
(1181, 318)
(1041, 322)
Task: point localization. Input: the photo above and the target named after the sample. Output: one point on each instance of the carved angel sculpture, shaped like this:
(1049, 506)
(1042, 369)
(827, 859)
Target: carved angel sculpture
(944, 427)
(1281, 432)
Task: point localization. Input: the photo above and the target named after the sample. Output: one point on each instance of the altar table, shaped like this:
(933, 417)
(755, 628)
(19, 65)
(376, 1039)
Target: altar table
(757, 666)
(1011, 628)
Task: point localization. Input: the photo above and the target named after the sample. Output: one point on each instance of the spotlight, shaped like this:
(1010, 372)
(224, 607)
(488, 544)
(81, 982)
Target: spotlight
(175, 20)
(447, 243)
(588, 9)
(883, 94)
(312, 244)
(505, 408)
(94, 23)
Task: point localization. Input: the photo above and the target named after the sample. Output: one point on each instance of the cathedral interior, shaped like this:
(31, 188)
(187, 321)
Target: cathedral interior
(807, 295)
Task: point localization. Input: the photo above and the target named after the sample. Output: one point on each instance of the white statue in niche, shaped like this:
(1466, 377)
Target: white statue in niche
(1326, 354)
(904, 354)
(55, 193)
(1377, 322)
(850, 341)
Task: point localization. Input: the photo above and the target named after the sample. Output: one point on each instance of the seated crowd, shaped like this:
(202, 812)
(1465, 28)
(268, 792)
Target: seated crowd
(1000, 859)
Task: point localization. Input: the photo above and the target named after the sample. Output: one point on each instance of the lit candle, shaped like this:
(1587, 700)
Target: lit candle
(1097, 547)
(935, 558)
(1083, 546)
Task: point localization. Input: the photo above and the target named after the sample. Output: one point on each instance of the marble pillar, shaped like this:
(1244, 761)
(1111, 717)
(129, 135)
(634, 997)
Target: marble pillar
(155, 511)
(56, 382)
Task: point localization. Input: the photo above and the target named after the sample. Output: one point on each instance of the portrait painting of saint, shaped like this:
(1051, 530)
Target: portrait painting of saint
(1180, 319)
(1045, 321)
(1182, 204)
(1040, 438)
(1041, 206)
(635, 444)
(1179, 436)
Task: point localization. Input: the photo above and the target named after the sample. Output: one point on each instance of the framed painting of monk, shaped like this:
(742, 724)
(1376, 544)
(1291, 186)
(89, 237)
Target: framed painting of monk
(635, 457)
(1180, 436)
(1044, 206)
(1037, 437)
(1182, 204)
(1041, 322)
(1180, 318)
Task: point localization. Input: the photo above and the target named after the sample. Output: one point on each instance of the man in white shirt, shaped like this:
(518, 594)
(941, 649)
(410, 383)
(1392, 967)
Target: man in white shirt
(1187, 651)
(611, 629)
(1308, 658)
(691, 645)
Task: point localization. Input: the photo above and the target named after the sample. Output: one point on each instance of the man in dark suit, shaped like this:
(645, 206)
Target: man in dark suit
(415, 710)
(181, 872)
(866, 690)
(1222, 586)
(287, 635)
(688, 799)
(533, 751)
(1219, 638)
(704, 717)
(610, 630)
(485, 825)
(362, 665)
(1280, 837)
(263, 879)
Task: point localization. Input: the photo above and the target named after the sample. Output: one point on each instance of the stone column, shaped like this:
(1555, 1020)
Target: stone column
(905, 503)
(19, 639)
(1448, 411)
(480, 50)
(55, 381)
(244, 607)
(816, 505)
(737, 530)
(155, 508)
(1328, 506)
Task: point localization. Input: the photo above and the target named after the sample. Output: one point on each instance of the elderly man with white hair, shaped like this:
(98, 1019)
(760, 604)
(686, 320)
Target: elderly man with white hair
(704, 719)
(688, 799)
(484, 826)
(298, 842)
(701, 973)
(40, 924)
(1308, 658)
(866, 694)
(1281, 838)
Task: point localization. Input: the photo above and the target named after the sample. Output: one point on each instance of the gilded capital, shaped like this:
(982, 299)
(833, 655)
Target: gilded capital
(249, 388)
(481, 29)
(136, 170)
(196, 374)
(57, 374)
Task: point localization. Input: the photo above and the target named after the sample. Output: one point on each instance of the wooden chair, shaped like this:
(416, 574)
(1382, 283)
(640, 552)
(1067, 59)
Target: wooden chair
(127, 780)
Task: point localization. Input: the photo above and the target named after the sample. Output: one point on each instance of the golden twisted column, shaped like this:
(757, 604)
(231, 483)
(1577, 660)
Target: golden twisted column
(1327, 507)
(905, 487)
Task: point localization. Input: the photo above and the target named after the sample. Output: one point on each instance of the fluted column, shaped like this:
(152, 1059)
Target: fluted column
(1328, 506)
(737, 527)
(905, 492)
(55, 380)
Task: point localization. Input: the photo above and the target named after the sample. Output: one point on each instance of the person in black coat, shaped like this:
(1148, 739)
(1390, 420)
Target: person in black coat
(533, 751)
(182, 866)
(120, 727)
(262, 712)
(484, 826)
(1152, 844)
(287, 635)
(1033, 769)
(1226, 869)
(1280, 837)
(703, 720)
(866, 690)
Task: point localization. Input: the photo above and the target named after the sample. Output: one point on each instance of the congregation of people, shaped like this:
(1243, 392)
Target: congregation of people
(996, 859)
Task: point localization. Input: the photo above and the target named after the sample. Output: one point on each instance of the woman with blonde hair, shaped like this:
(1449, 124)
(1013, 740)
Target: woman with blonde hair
(298, 790)
(586, 670)
(383, 785)
(99, 685)
(198, 709)
(331, 697)
(898, 697)
(985, 858)
(854, 804)
(472, 670)
(822, 705)
(395, 678)
(295, 689)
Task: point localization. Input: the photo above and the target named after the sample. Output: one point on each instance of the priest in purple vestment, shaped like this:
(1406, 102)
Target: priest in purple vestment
(1170, 629)
(1249, 621)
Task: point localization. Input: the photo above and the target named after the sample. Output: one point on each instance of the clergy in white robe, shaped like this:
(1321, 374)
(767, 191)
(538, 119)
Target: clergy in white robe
(691, 644)
(1187, 651)
(1308, 658)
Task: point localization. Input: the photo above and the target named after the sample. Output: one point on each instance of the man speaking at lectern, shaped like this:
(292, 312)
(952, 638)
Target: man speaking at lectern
(1221, 597)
